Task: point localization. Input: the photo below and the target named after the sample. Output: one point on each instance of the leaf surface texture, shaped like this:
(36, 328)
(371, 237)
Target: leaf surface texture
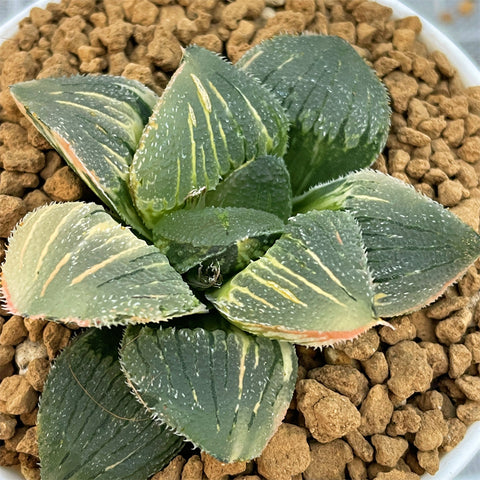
(415, 247)
(338, 108)
(312, 286)
(72, 262)
(211, 119)
(95, 123)
(90, 426)
(221, 388)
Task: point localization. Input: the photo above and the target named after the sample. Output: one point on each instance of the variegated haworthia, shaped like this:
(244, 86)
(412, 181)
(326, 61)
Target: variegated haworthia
(206, 176)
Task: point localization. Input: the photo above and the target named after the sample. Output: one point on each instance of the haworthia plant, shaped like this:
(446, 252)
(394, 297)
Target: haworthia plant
(221, 388)
(337, 107)
(89, 424)
(209, 181)
(96, 124)
(211, 119)
(415, 247)
(78, 265)
(313, 286)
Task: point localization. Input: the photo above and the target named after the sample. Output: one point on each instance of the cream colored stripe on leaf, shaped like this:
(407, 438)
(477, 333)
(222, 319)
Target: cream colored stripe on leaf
(95, 268)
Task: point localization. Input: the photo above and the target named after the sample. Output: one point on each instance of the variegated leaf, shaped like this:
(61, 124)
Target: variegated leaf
(260, 184)
(90, 426)
(338, 108)
(95, 123)
(221, 388)
(415, 247)
(72, 262)
(228, 237)
(312, 287)
(210, 120)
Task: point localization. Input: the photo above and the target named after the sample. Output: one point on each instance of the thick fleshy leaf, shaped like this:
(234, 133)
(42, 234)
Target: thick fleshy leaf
(261, 184)
(95, 123)
(90, 426)
(229, 237)
(221, 388)
(312, 287)
(210, 120)
(338, 107)
(72, 262)
(415, 247)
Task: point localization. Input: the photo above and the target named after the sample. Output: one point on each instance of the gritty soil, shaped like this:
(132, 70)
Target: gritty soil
(384, 406)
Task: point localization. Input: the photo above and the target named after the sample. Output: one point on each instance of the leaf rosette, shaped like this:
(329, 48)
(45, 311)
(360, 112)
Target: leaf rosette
(249, 196)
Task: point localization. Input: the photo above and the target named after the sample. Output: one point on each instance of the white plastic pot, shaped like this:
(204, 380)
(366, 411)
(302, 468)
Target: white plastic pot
(455, 461)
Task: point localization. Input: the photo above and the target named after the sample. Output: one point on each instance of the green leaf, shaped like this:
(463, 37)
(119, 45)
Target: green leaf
(261, 184)
(312, 287)
(95, 123)
(337, 106)
(230, 237)
(224, 390)
(211, 119)
(90, 426)
(415, 247)
(72, 262)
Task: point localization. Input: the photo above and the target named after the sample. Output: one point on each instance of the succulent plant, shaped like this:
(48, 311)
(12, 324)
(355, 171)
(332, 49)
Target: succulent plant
(255, 224)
